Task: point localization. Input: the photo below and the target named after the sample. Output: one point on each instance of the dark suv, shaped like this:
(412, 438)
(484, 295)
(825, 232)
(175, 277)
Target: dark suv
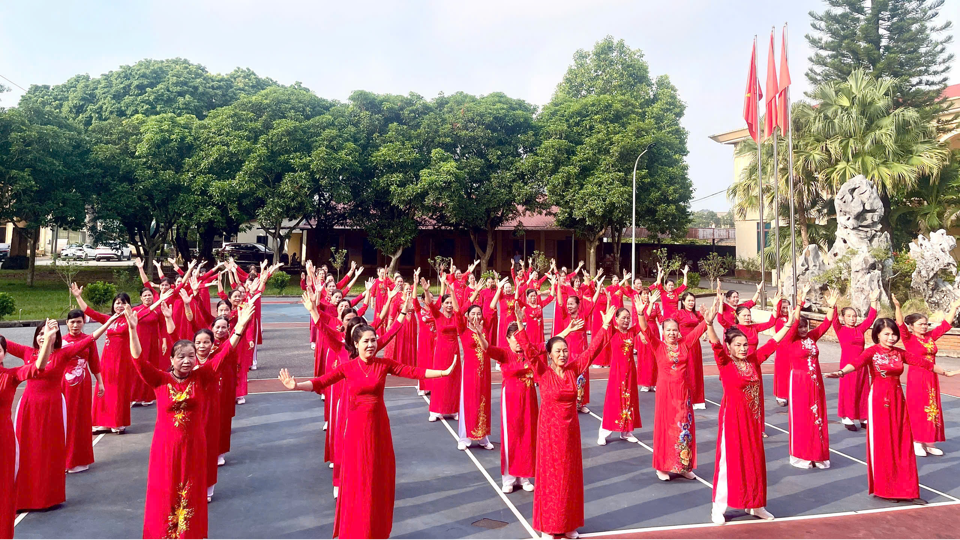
(243, 252)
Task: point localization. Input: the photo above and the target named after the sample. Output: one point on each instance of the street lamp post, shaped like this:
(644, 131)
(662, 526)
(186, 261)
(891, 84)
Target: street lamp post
(633, 221)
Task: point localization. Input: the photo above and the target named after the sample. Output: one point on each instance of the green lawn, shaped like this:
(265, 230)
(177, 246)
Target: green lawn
(45, 299)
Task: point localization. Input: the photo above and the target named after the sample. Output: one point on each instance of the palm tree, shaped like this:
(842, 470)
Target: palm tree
(862, 132)
(935, 202)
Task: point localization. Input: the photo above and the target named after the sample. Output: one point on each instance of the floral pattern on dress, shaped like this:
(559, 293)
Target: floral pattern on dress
(684, 461)
(178, 522)
(932, 409)
(179, 403)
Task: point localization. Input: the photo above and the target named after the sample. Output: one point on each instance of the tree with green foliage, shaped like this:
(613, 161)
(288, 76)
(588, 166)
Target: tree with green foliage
(45, 173)
(604, 113)
(398, 135)
(899, 39)
(476, 180)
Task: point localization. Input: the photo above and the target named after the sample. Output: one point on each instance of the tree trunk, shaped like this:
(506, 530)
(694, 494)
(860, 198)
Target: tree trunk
(205, 244)
(592, 253)
(804, 231)
(394, 261)
(486, 253)
(617, 239)
(34, 244)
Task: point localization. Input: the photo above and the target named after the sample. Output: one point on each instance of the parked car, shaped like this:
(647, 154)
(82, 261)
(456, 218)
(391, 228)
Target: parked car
(78, 251)
(243, 252)
(4, 251)
(113, 251)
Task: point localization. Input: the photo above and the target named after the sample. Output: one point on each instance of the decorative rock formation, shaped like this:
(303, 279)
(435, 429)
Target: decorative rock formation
(861, 249)
(933, 258)
(810, 265)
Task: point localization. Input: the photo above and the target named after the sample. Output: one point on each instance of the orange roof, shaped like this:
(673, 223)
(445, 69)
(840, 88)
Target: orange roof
(952, 91)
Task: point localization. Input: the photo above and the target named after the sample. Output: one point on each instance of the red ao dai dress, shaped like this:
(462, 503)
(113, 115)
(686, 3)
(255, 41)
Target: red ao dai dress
(533, 315)
(368, 477)
(558, 499)
(148, 330)
(10, 378)
(78, 394)
(228, 392)
(426, 343)
(674, 428)
(176, 503)
(519, 411)
(809, 436)
(923, 386)
(852, 399)
(445, 392)
(474, 390)
(41, 425)
(621, 405)
(752, 332)
(112, 410)
(646, 362)
(891, 463)
(688, 321)
(577, 344)
(669, 299)
(740, 470)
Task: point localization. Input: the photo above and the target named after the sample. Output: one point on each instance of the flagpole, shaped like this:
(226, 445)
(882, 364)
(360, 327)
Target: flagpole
(793, 225)
(763, 243)
(776, 210)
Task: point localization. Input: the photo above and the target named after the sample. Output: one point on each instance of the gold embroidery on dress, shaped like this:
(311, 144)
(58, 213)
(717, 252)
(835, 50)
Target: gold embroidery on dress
(626, 412)
(179, 403)
(482, 429)
(932, 410)
(627, 346)
(481, 359)
(752, 394)
(178, 523)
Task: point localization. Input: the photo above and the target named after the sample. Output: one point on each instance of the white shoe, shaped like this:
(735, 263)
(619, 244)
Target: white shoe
(919, 450)
(644, 388)
(781, 402)
(527, 486)
(688, 475)
(118, 431)
(488, 446)
(718, 518)
(324, 426)
(210, 492)
(821, 464)
(462, 446)
(77, 469)
(147, 403)
(583, 409)
(662, 476)
(700, 406)
(572, 534)
(336, 492)
(313, 346)
(421, 393)
(546, 536)
(456, 416)
(507, 489)
(98, 429)
(629, 437)
(934, 451)
(602, 441)
(330, 465)
(241, 400)
(253, 367)
(433, 418)
(653, 388)
(221, 461)
(760, 513)
(323, 397)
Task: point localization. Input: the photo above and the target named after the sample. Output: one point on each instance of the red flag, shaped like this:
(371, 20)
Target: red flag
(751, 96)
(783, 103)
(771, 118)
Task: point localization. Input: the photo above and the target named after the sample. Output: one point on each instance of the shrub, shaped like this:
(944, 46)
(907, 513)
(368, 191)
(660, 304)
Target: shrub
(127, 279)
(750, 264)
(715, 265)
(338, 257)
(693, 279)
(99, 294)
(7, 305)
(279, 281)
(540, 262)
(488, 274)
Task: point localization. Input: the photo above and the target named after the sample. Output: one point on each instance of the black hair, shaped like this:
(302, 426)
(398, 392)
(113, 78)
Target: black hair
(912, 318)
(206, 331)
(617, 314)
(741, 309)
(224, 303)
(146, 290)
(670, 319)
(357, 333)
(844, 311)
(683, 297)
(348, 328)
(729, 294)
(3, 344)
(444, 298)
(530, 291)
(733, 333)
(74, 314)
(220, 318)
(670, 280)
(469, 309)
(881, 325)
(123, 297)
(180, 344)
(577, 298)
(512, 329)
(57, 341)
(553, 341)
(348, 311)
(168, 280)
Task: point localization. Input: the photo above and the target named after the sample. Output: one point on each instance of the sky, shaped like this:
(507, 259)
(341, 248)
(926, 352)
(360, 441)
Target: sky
(516, 47)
